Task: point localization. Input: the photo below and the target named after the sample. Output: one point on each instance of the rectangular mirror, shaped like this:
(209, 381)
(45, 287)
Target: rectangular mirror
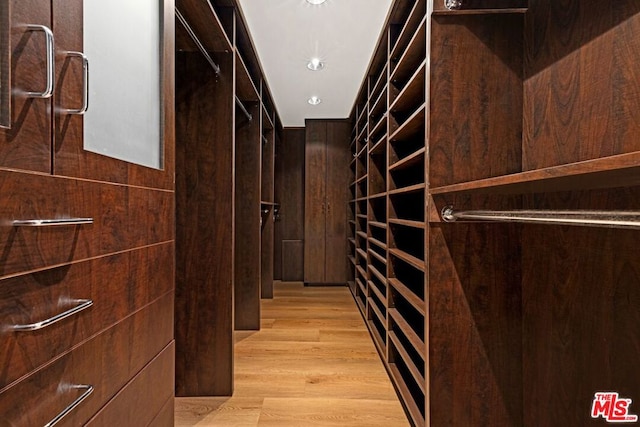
(5, 65)
(122, 40)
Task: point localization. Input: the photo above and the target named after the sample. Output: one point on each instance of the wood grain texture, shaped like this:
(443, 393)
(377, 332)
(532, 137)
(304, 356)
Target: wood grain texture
(315, 169)
(70, 157)
(268, 226)
(475, 97)
(247, 224)
(581, 318)
(303, 371)
(138, 403)
(205, 229)
(475, 326)
(290, 176)
(582, 96)
(107, 362)
(27, 145)
(338, 159)
(118, 285)
(292, 260)
(115, 227)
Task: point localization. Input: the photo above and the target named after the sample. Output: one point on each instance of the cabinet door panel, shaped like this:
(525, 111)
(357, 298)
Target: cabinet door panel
(337, 197)
(71, 157)
(27, 144)
(315, 207)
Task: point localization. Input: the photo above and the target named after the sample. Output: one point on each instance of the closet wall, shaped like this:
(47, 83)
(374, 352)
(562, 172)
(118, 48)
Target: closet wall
(225, 130)
(86, 295)
(500, 106)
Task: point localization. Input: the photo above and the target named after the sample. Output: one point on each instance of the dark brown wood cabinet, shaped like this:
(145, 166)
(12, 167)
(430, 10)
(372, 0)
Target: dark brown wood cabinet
(86, 295)
(326, 179)
(499, 108)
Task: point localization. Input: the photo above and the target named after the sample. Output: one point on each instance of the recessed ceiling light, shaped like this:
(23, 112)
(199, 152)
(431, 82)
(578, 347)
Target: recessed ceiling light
(314, 100)
(316, 1)
(315, 64)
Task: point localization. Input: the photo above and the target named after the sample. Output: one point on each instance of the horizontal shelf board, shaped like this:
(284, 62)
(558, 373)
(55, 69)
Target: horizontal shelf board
(361, 252)
(414, 159)
(267, 120)
(513, 10)
(352, 222)
(607, 172)
(408, 295)
(407, 330)
(360, 179)
(381, 317)
(413, 55)
(245, 89)
(378, 224)
(413, 89)
(410, 189)
(408, 223)
(379, 275)
(413, 369)
(352, 240)
(204, 21)
(377, 339)
(352, 259)
(379, 294)
(377, 195)
(363, 151)
(380, 103)
(382, 121)
(360, 304)
(409, 259)
(362, 234)
(412, 126)
(381, 80)
(377, 256)
(408, 399)
(378, 243)
(379, 147)
(362, 272)
(416, 15)
(363, 216)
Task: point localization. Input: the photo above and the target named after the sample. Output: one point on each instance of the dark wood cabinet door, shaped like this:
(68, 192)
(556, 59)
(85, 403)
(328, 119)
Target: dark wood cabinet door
(70, 156)
(27, 144)
(315, 204)
(336, 200)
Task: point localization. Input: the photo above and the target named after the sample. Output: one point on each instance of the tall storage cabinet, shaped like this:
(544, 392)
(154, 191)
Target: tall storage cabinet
(86, 276)
(496, 109)
(326, 177)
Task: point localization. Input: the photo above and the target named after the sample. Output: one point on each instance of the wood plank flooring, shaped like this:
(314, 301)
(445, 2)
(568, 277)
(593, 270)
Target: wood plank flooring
(312, 364)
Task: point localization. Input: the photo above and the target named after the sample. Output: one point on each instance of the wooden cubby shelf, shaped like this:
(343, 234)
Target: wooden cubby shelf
(408, 258)
(378, 243)
(378, 256)
(407, 223)
(415, 372)
(410, 189)
(407, 331)
(378, 224)
(417, 302)
(414, 159)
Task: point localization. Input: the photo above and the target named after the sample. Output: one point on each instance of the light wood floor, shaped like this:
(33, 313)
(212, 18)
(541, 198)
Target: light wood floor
(312, 364)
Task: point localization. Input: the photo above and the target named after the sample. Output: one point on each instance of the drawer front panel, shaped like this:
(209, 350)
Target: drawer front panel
(123, 218)
(106, 362)
(144, 397)
(118, 285)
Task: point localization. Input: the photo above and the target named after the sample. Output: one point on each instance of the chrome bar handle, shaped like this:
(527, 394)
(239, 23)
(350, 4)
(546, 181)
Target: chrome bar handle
(83, 304)
(85, 86)
(51, 222)
(88, 389)
(51, 67)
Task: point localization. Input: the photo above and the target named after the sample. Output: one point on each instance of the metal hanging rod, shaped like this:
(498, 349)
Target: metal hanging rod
(243, 109)
(609, 219)
(197, 41)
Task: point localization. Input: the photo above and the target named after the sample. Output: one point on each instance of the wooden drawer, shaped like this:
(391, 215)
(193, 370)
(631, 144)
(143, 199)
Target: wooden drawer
(123, 218)
(144, 398)
(107, 362)
(118, 285)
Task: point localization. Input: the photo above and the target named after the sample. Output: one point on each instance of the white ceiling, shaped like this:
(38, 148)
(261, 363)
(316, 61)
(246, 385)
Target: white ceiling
(288, 33)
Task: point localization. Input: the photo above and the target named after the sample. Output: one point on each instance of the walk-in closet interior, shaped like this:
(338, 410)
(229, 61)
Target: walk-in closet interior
(480, 202)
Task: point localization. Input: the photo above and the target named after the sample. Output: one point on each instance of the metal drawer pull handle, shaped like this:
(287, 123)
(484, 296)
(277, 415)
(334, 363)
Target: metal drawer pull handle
(83, 304)
(51, 222)
(85, 86)
(51, 68)
(88, 390)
